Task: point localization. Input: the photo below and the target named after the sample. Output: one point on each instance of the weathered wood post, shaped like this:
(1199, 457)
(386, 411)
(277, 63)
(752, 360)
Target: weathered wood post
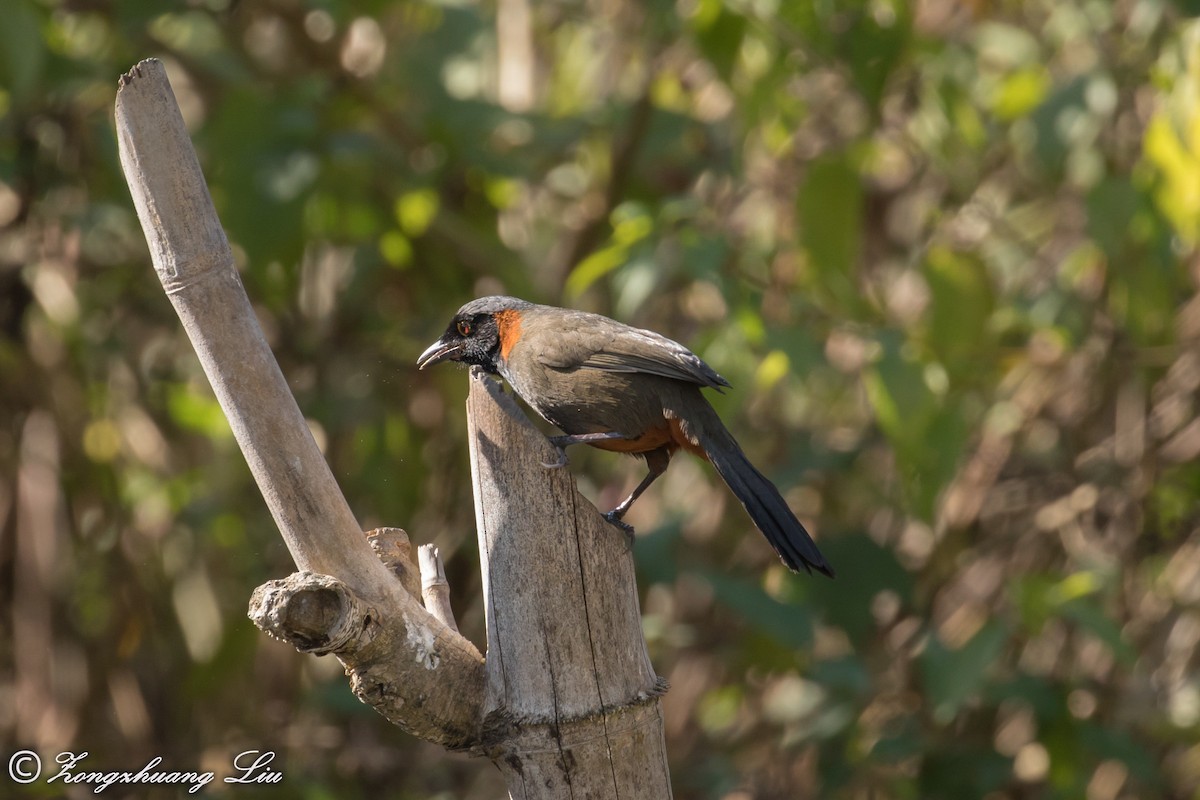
(566, 703)
(571, 694)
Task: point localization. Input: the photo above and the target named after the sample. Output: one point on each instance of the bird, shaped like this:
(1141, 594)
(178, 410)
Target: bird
(622, 389)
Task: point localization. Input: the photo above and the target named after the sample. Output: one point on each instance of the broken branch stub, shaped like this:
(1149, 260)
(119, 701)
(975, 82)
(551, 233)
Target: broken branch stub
(380, 651)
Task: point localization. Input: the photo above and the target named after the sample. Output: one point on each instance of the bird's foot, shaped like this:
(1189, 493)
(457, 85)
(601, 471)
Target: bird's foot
(561, 443)
(562, 459)
(614, 519)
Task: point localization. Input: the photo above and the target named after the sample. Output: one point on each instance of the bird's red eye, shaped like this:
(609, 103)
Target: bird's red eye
(464, 328)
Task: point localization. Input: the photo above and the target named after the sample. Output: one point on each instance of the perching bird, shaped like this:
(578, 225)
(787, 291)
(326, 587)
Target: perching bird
(619, 388)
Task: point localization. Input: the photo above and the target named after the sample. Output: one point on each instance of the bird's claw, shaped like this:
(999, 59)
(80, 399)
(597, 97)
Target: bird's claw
(612, 519)
(561, 443)
(562, 461)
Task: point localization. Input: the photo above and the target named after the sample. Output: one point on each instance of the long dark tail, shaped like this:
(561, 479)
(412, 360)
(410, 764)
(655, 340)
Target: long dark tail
(763, 503)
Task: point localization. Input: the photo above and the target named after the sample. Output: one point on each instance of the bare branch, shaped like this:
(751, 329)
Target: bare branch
(437, 673)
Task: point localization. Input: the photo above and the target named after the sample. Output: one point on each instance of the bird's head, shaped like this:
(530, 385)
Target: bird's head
(481, 333)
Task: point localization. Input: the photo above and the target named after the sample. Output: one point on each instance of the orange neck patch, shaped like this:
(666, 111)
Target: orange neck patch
(508, 328)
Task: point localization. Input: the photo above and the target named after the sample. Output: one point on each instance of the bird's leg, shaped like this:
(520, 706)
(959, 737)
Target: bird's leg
(656, 461)
(561, 443)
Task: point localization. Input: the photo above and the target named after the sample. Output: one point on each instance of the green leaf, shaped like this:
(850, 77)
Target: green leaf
(926, 432)
(790, 625)
(719, 32)
(1021, 92)
(875, 45)
(847, 675)
(1106, 743)
(903, 741)
(631, 224)
(1077, 597)
(962, 303)
(951, 677)
(1048, 700)
(593, 268)
(657, 554)
(198, 412)
(1053, 143)
(957, 771)
(903, 404)
(1189, 8)
(1092, 618)
(1111, 205)
(265, 173)
(829, 210)
(396, 249)
(22, 51)
(864, 570)
(416, 210)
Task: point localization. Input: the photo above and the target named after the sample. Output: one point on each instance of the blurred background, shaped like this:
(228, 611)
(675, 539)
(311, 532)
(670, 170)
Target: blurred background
(946, 253)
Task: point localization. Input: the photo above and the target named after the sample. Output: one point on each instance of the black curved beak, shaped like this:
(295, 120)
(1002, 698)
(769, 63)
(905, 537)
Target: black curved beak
(439, 351)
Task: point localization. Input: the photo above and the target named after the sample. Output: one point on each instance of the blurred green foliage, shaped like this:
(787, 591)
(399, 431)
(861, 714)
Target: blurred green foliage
(945, 252)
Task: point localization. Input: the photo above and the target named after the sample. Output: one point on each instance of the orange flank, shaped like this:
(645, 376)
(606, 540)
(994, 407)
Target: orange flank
(684, 439)
(652, 439)
(671, 435)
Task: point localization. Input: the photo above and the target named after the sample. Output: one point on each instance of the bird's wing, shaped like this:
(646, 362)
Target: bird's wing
(614, 347)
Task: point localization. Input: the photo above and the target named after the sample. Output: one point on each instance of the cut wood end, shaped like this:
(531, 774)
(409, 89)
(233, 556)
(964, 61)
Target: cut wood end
(136, 72)
(433, 572)
(312, 612)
